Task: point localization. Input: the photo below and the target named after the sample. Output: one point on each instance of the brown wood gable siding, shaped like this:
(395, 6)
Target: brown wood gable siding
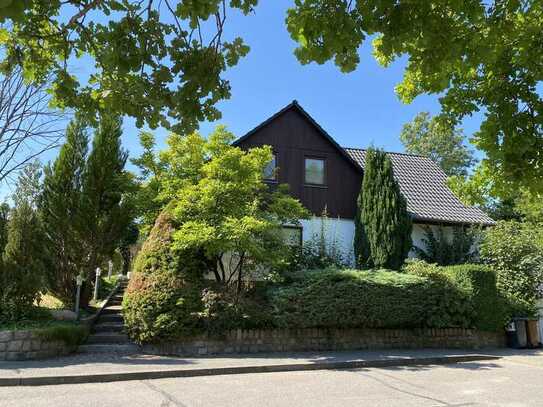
(293, 138)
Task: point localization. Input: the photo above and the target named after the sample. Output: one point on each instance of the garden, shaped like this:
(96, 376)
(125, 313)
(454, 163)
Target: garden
(213, 256)
(210, 201)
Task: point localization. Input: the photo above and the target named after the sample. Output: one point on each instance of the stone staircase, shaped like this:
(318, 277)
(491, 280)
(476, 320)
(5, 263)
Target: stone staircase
(108, 331)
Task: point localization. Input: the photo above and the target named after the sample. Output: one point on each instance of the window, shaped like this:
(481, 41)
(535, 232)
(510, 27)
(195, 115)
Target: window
(292, 235)
(314, 171)
(270, 169)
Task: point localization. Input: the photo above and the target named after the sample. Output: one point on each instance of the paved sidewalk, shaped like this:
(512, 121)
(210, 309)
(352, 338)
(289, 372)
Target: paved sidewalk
(87, 368)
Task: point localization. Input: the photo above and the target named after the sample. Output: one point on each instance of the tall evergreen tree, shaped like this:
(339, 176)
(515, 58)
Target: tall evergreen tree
(4, 216)
(361, 244)
(22, 274)
(60, 208)
(24, 261)
(384, 226)
(107, 211)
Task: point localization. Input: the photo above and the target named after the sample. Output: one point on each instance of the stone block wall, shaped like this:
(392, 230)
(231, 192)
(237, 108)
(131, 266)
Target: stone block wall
(27, 345)
(298, 340)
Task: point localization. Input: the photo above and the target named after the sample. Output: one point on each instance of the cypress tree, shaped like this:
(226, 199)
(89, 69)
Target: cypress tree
(383, 226)
(23, 263)
(23, 268)
(61, 212)
(361, 244)
(107, 212)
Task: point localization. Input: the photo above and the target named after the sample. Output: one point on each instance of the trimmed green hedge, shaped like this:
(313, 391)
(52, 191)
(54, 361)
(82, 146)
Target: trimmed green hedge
(426, 296)
(368, 299)
(477, 282)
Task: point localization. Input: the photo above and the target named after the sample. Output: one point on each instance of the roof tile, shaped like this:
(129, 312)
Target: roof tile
(424, 186)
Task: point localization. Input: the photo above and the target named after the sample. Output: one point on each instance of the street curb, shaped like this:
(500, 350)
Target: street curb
(163, 374)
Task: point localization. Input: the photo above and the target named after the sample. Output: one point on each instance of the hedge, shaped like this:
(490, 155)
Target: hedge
(477, 282)
(426, 296)
(369, 299)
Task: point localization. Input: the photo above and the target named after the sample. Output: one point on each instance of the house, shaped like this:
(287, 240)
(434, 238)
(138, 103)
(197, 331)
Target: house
(327, 177)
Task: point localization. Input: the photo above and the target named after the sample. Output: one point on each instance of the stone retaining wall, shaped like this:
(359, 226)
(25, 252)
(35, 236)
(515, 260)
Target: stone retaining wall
(27, 345)
(297, 340)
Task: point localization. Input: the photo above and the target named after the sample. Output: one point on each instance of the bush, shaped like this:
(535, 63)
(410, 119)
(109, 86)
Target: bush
(225, 310)
(368, 299)
(71, 335)
(162, 299)
(477, 285)
(161, 306)
(514, 251)
(444, 251)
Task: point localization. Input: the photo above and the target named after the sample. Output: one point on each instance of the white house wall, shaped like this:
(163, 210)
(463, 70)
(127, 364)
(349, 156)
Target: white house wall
(340, 232)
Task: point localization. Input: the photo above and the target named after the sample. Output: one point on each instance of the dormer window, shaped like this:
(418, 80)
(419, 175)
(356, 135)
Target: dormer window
(270, 173)
(315, 173)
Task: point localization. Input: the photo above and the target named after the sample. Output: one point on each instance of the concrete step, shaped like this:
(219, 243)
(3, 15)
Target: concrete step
(109, 348)
(105, 318)
(109, 327)
(107, 337)
(112, 309)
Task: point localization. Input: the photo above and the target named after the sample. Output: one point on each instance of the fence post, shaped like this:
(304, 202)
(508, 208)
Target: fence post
(97, 283)
(79, 282)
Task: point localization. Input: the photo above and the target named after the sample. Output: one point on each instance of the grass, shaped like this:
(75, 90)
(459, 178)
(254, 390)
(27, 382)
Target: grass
(49, 301)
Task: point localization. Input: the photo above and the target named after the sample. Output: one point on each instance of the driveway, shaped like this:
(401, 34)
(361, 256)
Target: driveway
(516, 380)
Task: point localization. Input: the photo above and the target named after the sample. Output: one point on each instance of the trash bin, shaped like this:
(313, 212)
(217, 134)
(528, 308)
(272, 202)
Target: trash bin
(516, 334)
(532, 330)
(511, 335)
(522, 337)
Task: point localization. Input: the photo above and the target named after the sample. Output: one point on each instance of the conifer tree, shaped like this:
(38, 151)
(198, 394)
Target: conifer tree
(384, 225)
(24, 260)
(107, 212)
(61, 213)
(361, 245)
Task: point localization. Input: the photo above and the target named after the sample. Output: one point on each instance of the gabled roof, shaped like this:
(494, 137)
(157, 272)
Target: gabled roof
(424, 186)
(421, 180)
(294, 105)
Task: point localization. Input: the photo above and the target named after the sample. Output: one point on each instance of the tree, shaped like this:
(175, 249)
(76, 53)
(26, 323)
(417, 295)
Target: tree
(476, 55)
(28, 127)
(4, 216)
(514, 251)
(60, 209)
(438, 140)
(384, 225)
(222, 210)
(151, 59)
(106, 213)
(29, 185)
(129, 238)
(24, 261)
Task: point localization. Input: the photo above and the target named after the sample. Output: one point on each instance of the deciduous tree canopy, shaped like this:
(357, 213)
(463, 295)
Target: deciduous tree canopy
(437, 139)
(477, 55)
(154, 60)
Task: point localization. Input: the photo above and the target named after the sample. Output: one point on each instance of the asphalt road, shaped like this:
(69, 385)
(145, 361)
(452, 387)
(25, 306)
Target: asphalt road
(507, 382)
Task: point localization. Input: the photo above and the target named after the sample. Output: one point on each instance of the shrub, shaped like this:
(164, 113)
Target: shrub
(368, 299)
(224, 310)
(71, 335)
(477, 285)
(514, 251)
(443, 251)
(160, 306)
(162, 299)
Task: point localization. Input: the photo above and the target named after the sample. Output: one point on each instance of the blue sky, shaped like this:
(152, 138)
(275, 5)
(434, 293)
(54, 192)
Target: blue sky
(358, 109)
